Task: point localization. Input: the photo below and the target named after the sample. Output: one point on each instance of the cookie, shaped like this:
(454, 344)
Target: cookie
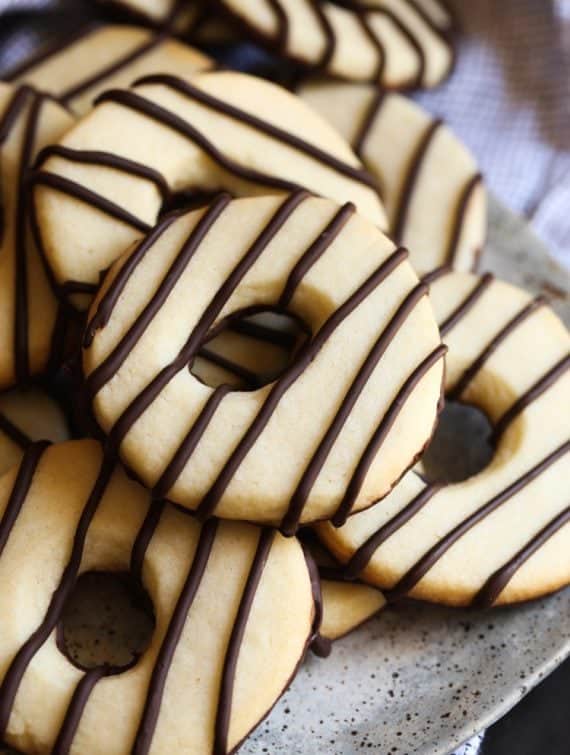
(434, 194)
(503, 535)
(306, 446)
(225, 645)
(82, 66)
(29, 321)
(178, 15)
(27, 416)
(397, 44)
(220, 130)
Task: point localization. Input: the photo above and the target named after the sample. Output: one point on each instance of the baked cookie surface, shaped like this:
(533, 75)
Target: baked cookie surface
(218, 130)
(502, 535)
(431, 186)
(224, 646)
(394, 43)
(305, 446)
(28, 306)
(81, 67)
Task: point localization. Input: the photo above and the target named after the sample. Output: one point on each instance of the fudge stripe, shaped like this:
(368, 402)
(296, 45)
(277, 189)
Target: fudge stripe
(145, 535)
(14, 433)
(459, 217)
(467, 304)
(75, 710)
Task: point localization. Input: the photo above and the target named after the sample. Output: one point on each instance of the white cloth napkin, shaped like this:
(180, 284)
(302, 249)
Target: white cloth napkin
(509, 100)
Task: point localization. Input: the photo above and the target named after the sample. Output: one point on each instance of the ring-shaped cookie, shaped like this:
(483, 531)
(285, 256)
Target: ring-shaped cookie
(225, 644)
(230, 131)
(503, 535)
(306, 446)
(29, 321)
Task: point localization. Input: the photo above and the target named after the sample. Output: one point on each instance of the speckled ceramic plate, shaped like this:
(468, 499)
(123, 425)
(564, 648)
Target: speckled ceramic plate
(422, 679)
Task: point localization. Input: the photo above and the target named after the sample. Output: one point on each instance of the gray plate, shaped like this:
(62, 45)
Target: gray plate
(422, 679)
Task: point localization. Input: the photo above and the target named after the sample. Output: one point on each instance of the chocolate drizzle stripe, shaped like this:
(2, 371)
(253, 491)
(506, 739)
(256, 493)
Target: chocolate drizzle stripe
(75, 710)
(223, 717)
(497, 582)
(111, 296)
(320, 645)
(151, 712)
(259, 332)
(17, 669)
(12, 111)
(88, 197)
(269, 129)
(418, 80)
(21, 488)
(307, 354)
(113, 68)
(248, 377)
(480, 361)
(366, 551)
(533, 393)
(328, 34)
(411, 180)
(467, 304)
(382, 431)
(107, 160)
(17, 436)
(432, 556)
(436, 274)
(377, 44)
(191, 440)
(282, 25)
(145, 535)
(197, 336)
(459, 217)
(317, 461)
(372, 112)
(315, 252)
(172, 121)
(109, 366)
(430, 23)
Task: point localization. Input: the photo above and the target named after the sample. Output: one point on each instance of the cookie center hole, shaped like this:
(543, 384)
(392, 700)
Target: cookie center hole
(250, 350)
(461, 446)
(108, 620)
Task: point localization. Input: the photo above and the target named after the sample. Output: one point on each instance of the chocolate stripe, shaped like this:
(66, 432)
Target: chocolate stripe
(20, 490)
(112, 68)
(232, 654)
(432, 556)
(375, 443)
(377, 44)
(88, 197)
(112, 363)
(282, 25)
(107, 160)
(533, 393)
(269, 129)
(260, 332)
(169, 120)
(368, 121)
(12, 111)
(307, 354)
(153, 389)
(411, 180)
(110, 297)
(436, 274)
(14, 433)
(11, 682)
(145, 535)
(497, 582)
(151, 712)
(418, 79)
(191, 440)
(366, 551)
(75, 710)
(468, 375)
(315, 252)
(459, 217)
(314, 467)
(466, 305)
(249, 378)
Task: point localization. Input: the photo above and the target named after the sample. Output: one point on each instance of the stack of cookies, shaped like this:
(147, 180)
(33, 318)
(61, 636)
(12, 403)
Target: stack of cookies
(247, 306)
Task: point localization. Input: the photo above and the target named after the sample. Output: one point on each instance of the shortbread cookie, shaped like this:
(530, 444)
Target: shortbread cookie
(79, 68)
(28, 306)
(113, 172)
(225, 644)
(179, 15)
(434, 194)
(503, 535)
(306, 446)
(27, 416)
(395, 43)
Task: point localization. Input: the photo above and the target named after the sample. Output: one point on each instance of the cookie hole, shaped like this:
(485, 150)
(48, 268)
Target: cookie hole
(250, 350)
(461, 446)
(108, 620)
